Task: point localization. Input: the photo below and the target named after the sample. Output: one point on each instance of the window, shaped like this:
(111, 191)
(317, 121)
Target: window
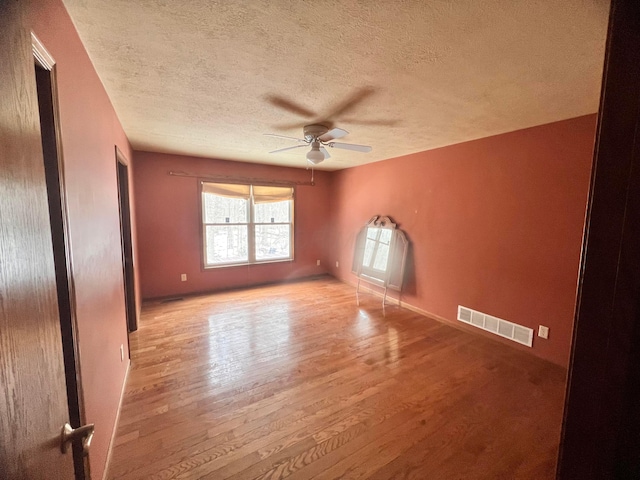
(246, 224)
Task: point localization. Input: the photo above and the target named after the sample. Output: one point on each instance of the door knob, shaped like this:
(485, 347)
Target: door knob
(70, 434)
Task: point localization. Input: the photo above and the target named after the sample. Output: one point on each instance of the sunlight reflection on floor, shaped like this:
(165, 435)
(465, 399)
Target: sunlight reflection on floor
(228, 351)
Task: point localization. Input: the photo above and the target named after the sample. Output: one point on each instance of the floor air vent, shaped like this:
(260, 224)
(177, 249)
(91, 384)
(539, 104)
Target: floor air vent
(505, 329)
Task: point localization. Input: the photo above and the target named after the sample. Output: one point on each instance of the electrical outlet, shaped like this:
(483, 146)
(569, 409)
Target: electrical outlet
(121, 352)
(337, 264)
(318, 262)
(183, 277)
(543, 332)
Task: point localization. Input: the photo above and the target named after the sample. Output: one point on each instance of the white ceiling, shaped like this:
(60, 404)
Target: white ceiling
(208, 78)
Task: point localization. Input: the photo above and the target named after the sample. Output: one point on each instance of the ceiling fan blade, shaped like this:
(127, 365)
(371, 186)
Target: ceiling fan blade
(326, 153)
(287, 148)
(351, 102)
(333, 134)
(284, 136)
(290, 126)
(350, 146)
(289, 105)
(381, 122)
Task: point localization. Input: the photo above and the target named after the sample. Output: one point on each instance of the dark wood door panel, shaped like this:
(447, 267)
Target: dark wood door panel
(600, 432)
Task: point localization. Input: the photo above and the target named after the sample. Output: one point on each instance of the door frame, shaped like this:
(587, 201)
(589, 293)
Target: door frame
(126, 240)
(53, 160)
(602, 415)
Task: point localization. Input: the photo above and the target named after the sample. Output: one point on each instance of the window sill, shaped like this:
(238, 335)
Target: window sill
(247, 264)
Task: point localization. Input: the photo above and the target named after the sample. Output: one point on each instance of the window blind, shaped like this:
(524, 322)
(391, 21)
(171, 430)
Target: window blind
(266, 194)
(227, 190)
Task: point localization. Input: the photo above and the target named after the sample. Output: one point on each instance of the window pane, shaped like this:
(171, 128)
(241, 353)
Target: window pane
(278, 212)
(272, 242)
(219, 209)
(226, 244)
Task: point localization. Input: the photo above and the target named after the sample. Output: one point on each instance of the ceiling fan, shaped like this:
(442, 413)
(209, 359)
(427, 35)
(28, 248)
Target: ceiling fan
(320, 137)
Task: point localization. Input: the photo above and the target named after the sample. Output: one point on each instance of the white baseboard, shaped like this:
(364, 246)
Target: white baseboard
(451, 323)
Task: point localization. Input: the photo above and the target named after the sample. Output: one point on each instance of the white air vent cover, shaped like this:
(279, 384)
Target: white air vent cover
(464, 314)
(491, 323)
(512, 331)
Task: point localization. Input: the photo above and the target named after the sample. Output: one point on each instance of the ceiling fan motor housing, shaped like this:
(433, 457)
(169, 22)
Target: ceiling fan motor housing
(311, 132)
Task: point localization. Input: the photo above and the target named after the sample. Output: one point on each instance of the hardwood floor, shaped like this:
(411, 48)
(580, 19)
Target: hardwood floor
(295, 381)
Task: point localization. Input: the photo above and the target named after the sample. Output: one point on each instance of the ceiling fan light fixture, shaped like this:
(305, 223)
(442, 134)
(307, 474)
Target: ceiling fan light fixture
(314, 155)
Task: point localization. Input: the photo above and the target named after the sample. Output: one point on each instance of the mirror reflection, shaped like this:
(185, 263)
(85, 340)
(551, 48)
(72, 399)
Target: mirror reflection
(376, 248)
(380, 255)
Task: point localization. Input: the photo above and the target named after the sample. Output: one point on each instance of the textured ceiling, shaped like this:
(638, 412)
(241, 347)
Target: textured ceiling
(208, 78)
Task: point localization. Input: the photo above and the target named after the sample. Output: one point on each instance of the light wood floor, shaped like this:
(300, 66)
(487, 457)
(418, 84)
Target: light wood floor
(294, 381)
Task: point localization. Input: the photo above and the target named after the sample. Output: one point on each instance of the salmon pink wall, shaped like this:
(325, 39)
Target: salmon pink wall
(168, 213)
(90, 132)
(495, 225)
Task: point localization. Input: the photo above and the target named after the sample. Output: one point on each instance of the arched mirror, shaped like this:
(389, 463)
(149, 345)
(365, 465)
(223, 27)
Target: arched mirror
(380, 256)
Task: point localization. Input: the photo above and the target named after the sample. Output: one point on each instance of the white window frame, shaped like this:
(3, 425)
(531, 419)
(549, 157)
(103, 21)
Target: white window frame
(251, 228)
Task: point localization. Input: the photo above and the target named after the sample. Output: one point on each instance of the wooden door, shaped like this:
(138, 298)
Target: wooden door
(33, 403)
